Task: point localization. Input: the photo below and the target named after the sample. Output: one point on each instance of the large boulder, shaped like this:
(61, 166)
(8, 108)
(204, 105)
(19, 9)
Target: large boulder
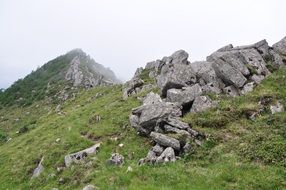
(152, 98)
(180, 57)
(175, 76)
(185, 95)
(79, 156)
(229, 74)
(201, 103)
(148, 115)
(234, 58)
(165, 140)
(280, 47)
(167, 156)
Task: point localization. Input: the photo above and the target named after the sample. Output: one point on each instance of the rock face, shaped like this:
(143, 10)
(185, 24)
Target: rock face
(84, 71)
(185, 86)
(280, 47)
(79, 156)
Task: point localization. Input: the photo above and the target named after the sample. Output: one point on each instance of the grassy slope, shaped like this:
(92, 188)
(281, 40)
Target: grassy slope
(237, 154)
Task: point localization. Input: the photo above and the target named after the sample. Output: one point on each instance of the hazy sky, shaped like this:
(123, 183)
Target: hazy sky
(126, 34)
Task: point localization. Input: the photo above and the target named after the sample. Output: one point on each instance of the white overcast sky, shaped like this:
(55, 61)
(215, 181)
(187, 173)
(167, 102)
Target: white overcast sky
(126, 34)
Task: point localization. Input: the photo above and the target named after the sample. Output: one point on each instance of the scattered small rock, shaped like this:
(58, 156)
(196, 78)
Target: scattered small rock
(116, 159)
(276, 108)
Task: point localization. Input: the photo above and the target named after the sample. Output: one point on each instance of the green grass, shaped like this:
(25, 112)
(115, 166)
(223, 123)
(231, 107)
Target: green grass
(238, 153)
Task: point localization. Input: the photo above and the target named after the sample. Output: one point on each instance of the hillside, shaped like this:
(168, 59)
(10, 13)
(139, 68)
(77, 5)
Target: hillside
(58, 80)
(236, 134)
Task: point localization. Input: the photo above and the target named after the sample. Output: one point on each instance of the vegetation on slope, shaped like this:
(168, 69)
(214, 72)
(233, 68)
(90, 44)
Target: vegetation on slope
(238, 153)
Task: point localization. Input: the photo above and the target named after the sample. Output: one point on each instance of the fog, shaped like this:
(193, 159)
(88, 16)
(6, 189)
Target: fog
(126, 34)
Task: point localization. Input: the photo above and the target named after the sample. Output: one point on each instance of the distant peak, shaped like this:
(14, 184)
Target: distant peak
(77, 51)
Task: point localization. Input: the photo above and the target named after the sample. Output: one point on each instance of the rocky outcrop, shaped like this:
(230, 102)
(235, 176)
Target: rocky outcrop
(84, 71)
(185, 86)
(280, 47)
(78, 157)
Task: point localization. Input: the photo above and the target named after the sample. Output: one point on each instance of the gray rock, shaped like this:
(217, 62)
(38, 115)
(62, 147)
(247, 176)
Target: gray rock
(151, 157)
(280, 47)
(157, 149)
(167, 156)
(187, 147)
(248, 87)
(171, 129)
(131, 86)
(234, 58)
(229, 74)
(175, 76)
(225, 48)
(89, 187)
(177, 123)
(152, 98)
(116, 159)
(210, 87)
(277, 59)
(138, 72)
(201, 103)
(134, 121)
(58, 108)
(39, 169)
(164, 140)
(180, 57)
(254, 59)
(257, 78)
(79, 156)
(150, 114)
(205, 71)
(231, 90)
(278, 107)
(185, 95)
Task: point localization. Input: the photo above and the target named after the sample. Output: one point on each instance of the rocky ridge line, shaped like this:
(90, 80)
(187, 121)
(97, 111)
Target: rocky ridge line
(184, 87)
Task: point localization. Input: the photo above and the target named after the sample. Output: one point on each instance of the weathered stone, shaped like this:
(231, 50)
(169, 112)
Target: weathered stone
(280, 47)
(151, 157)
(205, 71)
(185, 95)
(171, 129)
(201, 103)
(210, 87)
(277, 59)
(150, 114)
(175, 76)
(167, 156)
(164, 140)
(257, 78)
(234, 58)
(231, 90)
(39, 169)
(229, 74)
(79, 156)
(131, 86)
(176, 122)
(180, 57)
(152, 98)
(134, 121)
(187, 147)
(157, 149)
(248, 87)
(116, 159)
(89, 187)
(255, 60)
(278, 107)
(225, 48)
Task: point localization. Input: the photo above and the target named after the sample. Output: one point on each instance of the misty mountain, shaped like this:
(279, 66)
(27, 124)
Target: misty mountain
(67, 72)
